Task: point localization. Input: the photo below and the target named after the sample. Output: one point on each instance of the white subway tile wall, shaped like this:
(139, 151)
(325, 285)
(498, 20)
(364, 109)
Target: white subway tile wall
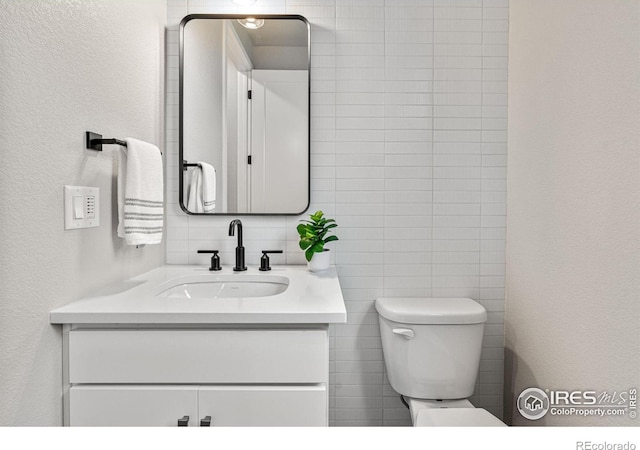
(408, 152)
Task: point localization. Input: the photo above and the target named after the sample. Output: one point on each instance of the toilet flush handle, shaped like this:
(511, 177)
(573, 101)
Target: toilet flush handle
(406, 332)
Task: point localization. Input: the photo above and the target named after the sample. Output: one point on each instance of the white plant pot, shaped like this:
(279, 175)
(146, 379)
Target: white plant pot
(319, 261)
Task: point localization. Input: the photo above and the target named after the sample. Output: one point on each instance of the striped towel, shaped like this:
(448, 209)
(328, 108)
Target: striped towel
(202, 189)
(140, 193)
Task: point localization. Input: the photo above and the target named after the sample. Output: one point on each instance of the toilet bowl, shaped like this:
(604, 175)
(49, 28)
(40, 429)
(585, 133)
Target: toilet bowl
(431, 350)
(450, 413)
(457, 417)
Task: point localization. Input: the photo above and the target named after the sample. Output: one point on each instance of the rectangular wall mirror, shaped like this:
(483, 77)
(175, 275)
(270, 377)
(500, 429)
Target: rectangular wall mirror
(244, 114)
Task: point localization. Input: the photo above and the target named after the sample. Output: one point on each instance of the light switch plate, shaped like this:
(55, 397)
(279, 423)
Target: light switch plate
(81, 207)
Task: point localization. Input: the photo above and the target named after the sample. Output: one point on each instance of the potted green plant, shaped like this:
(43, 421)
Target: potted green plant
(314, 234)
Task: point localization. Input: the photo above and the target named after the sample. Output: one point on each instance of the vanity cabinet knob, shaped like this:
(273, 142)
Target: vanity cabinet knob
(184, 422)
(215, 259)
(264, 260)
(206, 422)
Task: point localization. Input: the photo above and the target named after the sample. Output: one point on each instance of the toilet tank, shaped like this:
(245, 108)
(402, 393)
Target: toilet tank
(431, 346)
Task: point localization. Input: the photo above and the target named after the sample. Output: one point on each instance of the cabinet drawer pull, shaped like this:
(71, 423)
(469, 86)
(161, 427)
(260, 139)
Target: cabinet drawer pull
(206, 422)
(184, 422)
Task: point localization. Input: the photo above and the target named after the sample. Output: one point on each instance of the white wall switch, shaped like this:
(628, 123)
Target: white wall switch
(81, 207)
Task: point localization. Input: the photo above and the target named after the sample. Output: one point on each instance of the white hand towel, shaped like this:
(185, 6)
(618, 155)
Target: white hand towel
(140, 193)
(208, 187)
(202, 189)
(194, 203)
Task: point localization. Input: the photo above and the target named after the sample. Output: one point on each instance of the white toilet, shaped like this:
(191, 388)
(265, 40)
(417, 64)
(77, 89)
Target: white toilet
(431, 351)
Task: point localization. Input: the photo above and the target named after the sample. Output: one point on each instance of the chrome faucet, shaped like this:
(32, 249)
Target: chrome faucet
(239, 249)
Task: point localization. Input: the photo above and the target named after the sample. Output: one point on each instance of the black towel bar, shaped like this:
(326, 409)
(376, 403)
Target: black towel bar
(186, 164)
(95, 141)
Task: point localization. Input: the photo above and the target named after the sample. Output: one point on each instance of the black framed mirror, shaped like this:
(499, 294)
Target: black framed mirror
(244, 125)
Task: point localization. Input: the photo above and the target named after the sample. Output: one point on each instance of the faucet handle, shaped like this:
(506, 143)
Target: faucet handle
(215, 259)
(264, 260)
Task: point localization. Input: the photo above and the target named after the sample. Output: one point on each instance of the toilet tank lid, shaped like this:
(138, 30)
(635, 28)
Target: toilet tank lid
(442, 311)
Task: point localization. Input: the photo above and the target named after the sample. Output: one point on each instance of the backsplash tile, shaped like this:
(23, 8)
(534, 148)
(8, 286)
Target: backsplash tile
(408, 131)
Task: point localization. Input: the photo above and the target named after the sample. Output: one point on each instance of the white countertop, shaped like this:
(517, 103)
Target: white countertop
(310, 298)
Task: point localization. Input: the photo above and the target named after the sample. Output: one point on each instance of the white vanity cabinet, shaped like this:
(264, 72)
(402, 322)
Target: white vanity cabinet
(197, 377)
(135, 356)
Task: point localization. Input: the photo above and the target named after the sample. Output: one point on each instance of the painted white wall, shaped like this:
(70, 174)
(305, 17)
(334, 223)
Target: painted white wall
(204, 103)
(65, 67)
(280, 57)
(408, 153)
(573, 228)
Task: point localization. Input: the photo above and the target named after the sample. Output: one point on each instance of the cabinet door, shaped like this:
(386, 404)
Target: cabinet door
(257, 406)
(142, 406)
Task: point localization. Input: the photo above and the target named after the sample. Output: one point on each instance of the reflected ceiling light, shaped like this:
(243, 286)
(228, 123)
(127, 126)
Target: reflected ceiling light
(243, 2)
(251, 22)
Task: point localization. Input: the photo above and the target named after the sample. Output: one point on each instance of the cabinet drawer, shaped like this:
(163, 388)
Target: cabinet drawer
(198, 356)
(132, 406)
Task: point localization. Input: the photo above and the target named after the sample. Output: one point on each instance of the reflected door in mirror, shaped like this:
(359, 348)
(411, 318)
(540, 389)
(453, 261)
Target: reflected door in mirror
(278, 131)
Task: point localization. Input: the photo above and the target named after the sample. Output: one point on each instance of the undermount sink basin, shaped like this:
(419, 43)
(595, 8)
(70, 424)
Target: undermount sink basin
(225, 286)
